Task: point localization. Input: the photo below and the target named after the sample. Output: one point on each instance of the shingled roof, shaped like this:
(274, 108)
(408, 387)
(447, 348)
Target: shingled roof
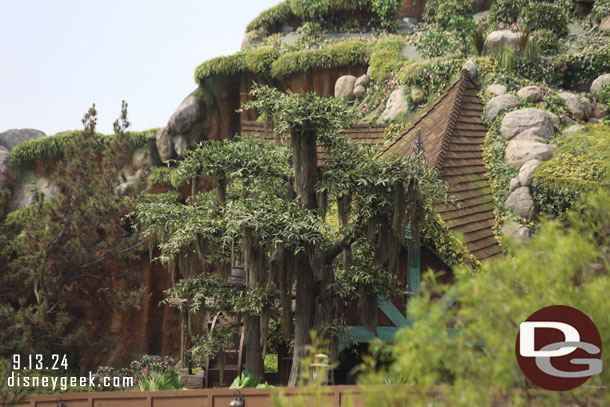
(453, 136)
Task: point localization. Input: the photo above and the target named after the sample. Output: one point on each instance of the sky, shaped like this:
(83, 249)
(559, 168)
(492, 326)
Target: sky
(59, 57)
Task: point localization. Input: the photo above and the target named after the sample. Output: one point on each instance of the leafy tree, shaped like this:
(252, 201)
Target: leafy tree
(60, 251)
(270, 205)
(468, 351)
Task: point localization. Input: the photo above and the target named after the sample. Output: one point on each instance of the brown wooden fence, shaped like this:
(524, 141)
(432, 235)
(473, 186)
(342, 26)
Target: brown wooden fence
(336, 396)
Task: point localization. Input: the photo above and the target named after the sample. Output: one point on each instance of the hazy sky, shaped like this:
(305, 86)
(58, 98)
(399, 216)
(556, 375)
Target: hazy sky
(58, 57)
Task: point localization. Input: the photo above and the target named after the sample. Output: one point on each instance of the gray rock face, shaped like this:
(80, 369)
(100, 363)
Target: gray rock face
(30, 189)
(514, 184)
(396, 105)
(599, 112)
(521, 202)
(4, 155)
(530, 93)
(362, 80)
(164, 144)
(526, 172)
(532, 135)
(605, 24)
(518, 152)
(472, 68)
(181, 144)
(184, 118)
(515, 230)
(520, 120)
(499, 104)
(141, 158)
(417, 96)
(359, 91)
(495, 89)
(574, 104)
(573, 129)
(599, 83)
(553, 118)
(11, 138)
(344, 87)
(502, 38)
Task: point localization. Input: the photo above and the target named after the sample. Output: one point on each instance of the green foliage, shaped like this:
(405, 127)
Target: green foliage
(581, 163)
(465, 355)
(381, 12)
(140, 370)
(271, 363)
(506, 11)
(52, 147)
(601, 10)
(267, 61)
(343, 54)
(270, 20)
(386, 58)
(244, 380)
(61, 245)
(570, 69)
(547, 40)
(549, 16)
(161, 381)
(441, 12)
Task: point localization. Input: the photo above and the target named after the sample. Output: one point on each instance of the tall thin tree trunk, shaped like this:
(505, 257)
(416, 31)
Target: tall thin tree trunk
(306, 164)
(254, 265)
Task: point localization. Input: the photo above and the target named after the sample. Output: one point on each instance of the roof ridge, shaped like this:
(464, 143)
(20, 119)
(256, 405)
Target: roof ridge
(414, 124)
(462, 82)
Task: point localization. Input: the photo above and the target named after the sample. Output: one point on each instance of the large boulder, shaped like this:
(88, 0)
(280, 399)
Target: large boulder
(532, 134)
(515, 230)
(397, 105)
(502, 38)
(495, 89)
(471, 67)
(25, 192)
(530, 93)
(518, 152)
(573, 129)
(521, 202)
(184, 118)
(344, 87)
(526, 172)
(599, 83)
(605, 24)
(11, 138)
(164, 144)
(363, 80)
(520, 120)
(499, 104)
(574, 104)
(359, 91)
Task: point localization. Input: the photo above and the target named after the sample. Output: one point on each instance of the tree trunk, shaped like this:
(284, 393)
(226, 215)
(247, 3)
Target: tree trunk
(254, 267)
(306, 174)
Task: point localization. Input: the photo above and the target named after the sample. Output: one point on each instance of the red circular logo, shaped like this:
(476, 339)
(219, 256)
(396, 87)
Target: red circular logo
(558, 348)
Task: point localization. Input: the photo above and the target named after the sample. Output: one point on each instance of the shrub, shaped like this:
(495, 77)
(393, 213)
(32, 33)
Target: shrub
(538, 16)
(442, 12)
(465, 355)
(269, 20)
(570, 69)
(546, 40)
(506, 11)
(386, 58)
(601, 10)
(383, 12)
(580, 163)
(52, 147)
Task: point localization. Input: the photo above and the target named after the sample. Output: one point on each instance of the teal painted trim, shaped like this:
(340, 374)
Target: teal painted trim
(392, 313)
(414, 268)
(360, 334)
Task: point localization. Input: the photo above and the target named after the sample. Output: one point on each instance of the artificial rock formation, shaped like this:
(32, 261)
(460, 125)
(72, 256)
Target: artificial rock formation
(518, 121)
(11, 138)
(518, 152)
(396, 105)
(499, 104)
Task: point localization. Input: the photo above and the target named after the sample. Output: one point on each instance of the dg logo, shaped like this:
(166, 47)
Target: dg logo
(558, 348)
